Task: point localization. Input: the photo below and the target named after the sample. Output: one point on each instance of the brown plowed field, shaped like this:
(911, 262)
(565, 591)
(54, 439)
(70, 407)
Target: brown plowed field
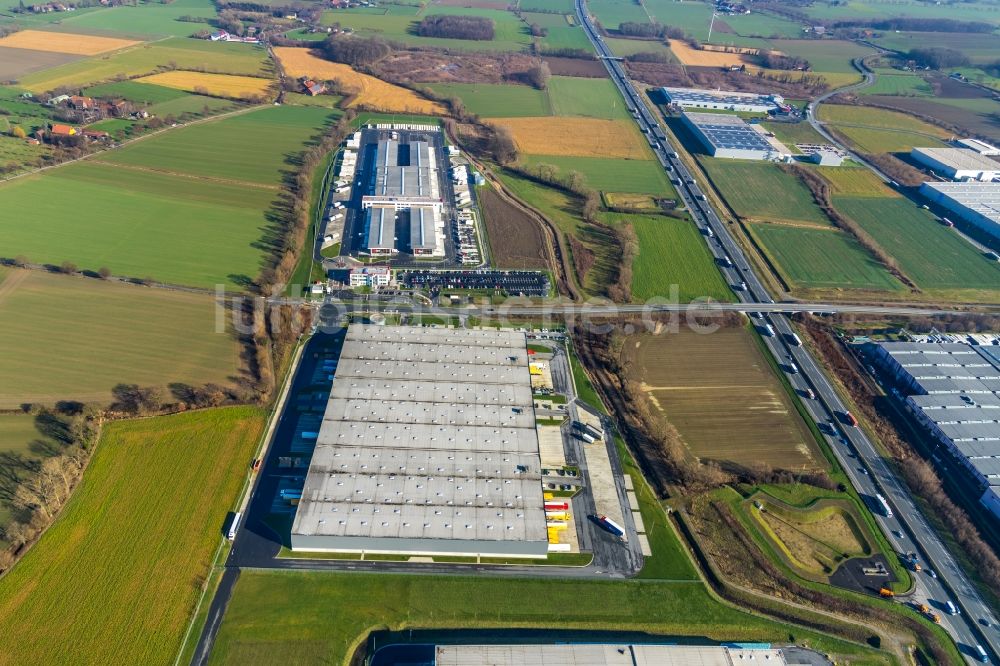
(516, 241)
(576, 67)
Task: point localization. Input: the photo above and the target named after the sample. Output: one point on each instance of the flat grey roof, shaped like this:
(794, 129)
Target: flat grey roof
(681, 95)
(602, 655)
(725, 131)
(429, 434)
(961, 159)
(982, 198)
(381, 227)
(422, 236)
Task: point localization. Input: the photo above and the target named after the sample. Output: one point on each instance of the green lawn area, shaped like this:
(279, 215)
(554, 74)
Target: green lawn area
(139, 93)
(497, 100)
(67, 338)
(760, 190)
(221, 57)
(671, 252)
(931, 254)
(318, 617)
(254, 147)
(612, 174)
(819, 258)
(116, 578)
(594, 98)
(151, 19)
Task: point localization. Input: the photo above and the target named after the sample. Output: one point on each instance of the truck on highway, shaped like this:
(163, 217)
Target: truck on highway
(951, 608)
(850, 418)
(769, 330)
(981, 654)
(612, 527)
(794, 339)
(883, 506)
(792, 368)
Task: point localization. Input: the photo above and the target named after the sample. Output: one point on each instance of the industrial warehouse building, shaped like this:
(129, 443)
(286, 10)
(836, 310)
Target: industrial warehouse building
(404, 182)
(980, 147)
(427, 447)
(976, 203)
(724, 135)
(957, 163)
(596, 654)
(953, 390)
(692, 98)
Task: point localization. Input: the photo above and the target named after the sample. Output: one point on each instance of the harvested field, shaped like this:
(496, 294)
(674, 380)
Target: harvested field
(575, 67)
(516, 240)
(15, 63)
(369, 91)
(690, 56)
(855, 182)
(219, 85)
(64, 42)
(583, 137)
(712, 386)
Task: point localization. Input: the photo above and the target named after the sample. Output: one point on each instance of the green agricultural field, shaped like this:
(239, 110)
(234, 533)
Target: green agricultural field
(932, 255)
(672, 252)
(138, 223)
(318, 617)
(612, 175)
(980, 48)
(825, 55)
(498, 100)
(324, 101)
(879, 130)
(146, 20)
(560, 33)
(692, 17)
(626, 47)
(197, 54)
(855, 182)
(594, 98)
(876, 9)
(869, 140)
(192, 104)
(759, 24)
(565, 6)
(611, 13)
(910, 85)
(117, 577)
(397, 23)
(252, 147)
(759, 190)
(19, 152)
(818, 258)
(138, 93)
(70, 338)
(113, 126)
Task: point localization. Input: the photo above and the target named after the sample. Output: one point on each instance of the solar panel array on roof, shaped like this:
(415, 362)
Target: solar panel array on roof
(729, 136)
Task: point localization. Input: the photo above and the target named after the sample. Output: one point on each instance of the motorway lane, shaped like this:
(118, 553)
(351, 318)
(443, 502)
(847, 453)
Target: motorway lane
(907, 519)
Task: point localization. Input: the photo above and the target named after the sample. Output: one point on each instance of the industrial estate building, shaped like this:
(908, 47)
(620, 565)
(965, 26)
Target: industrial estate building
(953, 390)
(427, 447)
(980, 147)
(724, 135)
(976, 203)
(596, 654)
(404, 181)
(693, 98)
(958, 163)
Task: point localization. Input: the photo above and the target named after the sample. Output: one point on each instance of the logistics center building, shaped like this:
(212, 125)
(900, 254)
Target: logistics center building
(958, 163)
(722, 100)
(427, 447)
(953, 390)
(725, 135)
(976, 203)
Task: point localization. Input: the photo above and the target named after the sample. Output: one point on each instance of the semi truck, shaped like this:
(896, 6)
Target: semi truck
(951, 608)
(234, 525)
(883, 506)
(981, 654)
(794, 339)
(850, 418)
(769, 330)
(612, 527)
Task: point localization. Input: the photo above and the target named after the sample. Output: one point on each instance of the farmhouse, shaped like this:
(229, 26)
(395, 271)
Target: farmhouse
(976, 203)
(953, 390)
(694, 98)
(312, 88)
(427, 447)
(724, 135)
(958, 163)
(59, 129)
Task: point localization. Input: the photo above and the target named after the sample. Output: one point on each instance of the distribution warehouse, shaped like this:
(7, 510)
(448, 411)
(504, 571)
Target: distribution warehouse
(570, 654)
(976, 203)
(958, 163)
(953, 390)
(427, 447)
(720, 100)
(725, 135)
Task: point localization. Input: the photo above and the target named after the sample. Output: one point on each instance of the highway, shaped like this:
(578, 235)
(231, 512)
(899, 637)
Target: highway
(851, 445)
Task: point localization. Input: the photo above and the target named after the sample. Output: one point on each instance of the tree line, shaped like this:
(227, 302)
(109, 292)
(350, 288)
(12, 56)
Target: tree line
(446, 26)
(355, 51)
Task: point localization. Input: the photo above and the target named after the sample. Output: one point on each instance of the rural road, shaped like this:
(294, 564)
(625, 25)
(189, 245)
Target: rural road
(827, 408)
